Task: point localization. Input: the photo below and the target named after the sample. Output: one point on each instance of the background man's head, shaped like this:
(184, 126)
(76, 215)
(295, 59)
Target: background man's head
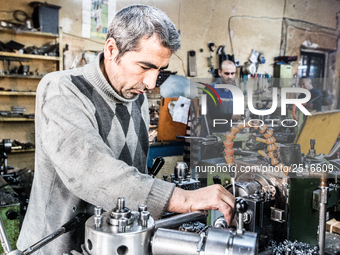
(227, 72)
(305, 83)
(135, 22)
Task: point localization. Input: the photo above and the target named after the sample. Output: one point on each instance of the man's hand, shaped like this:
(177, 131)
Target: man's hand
(213, 197)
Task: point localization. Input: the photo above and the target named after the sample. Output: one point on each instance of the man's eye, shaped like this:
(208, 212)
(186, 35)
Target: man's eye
(145, 68)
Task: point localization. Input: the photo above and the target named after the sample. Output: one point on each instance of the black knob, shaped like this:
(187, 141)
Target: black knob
(12, 215)
(217, 179)
(165, 177)
(240, 205)
(312, 143)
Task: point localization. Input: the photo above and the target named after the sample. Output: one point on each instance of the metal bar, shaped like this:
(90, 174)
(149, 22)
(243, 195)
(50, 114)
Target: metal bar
(44, 241)
(323, 199)
(180, 219)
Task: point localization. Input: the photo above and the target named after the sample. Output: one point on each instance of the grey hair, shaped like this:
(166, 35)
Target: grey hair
(135, 22)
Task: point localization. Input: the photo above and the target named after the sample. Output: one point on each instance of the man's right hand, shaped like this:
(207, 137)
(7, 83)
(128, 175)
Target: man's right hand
(214, 197)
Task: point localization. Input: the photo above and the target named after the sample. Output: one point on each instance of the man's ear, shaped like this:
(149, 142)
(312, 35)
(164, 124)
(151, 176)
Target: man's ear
(219, 72)
(110, 49)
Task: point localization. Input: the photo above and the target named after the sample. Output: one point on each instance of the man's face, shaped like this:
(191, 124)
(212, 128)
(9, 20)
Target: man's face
(306, 84)
(227, 74)
(136, 71)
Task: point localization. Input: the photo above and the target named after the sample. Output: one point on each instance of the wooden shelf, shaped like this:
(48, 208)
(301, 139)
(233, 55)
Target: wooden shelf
(21, 76)
(28, 33)
(21, 151)
(14, 119)
(12, 93)
(30, 56)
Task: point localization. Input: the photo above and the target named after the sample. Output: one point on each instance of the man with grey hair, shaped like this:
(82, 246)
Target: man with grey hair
(92, 135)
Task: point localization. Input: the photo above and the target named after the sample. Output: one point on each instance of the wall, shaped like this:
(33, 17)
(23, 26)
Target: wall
(255, 25)
(251, 24)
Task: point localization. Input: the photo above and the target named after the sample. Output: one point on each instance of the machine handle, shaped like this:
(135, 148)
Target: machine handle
(77, 221)
(156, 167)
(217, 179)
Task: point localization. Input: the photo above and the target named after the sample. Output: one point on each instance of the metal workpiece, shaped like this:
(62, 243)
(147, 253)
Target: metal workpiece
(226, 242)
(122, 232)
(177, 220)
(120, 211)
(171, 242)
(216, 241)
(181, 170)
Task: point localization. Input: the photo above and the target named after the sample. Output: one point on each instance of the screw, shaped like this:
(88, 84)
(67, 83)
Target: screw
(144, 216)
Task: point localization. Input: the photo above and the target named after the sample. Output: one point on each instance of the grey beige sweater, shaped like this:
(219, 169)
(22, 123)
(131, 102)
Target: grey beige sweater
(91, 148)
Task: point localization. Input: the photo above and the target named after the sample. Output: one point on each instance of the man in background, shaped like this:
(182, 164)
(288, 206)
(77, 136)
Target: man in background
(227, 73)
(306, 83)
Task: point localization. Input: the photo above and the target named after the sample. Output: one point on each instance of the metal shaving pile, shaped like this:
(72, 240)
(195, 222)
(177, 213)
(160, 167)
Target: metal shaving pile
(288, 247)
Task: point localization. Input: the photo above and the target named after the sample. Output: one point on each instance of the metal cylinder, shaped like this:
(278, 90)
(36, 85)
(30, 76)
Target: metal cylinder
(181, 170)
(323, 196)
(121, 203)
(4, 239)
(225, 242)
(110, 239)
(171, 242)
(218, 242)
(177, 220)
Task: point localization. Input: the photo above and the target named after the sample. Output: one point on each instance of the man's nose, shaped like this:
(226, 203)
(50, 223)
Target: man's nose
(150, 79)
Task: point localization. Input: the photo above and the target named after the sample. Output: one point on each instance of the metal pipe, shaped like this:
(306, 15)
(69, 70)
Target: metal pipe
(4, 239)
(168, 241)
(180, 219)
(323, 197)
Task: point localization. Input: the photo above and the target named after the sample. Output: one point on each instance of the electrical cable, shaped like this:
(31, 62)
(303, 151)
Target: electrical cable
(24, 16)
(179, 16)
(182, 64)
(88, 39)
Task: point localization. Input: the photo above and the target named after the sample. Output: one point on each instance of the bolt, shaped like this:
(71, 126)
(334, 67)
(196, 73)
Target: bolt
(122, 223)
(144, 216)
(142, 208)
(98, 210)
(98, 217)
(121, 203)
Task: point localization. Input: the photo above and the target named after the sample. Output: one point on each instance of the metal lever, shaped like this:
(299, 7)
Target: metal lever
(189, 137)
(75, 222)
(156, 167)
